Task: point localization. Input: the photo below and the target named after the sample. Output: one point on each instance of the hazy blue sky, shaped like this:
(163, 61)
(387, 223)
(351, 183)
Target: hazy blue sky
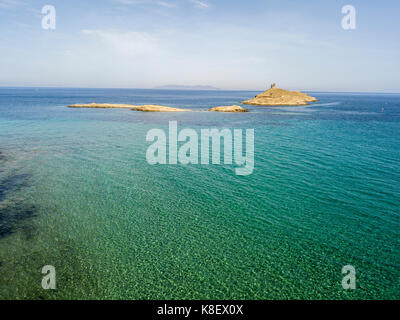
(224, 43)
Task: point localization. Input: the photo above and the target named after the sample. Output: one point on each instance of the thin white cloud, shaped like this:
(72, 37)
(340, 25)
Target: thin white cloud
(9, 3)
(200, 4)
(162, 3)
(165, 3)
(125, 43)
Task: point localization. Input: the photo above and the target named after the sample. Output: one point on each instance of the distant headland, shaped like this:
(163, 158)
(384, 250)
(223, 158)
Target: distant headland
(280, 97)
(182, 87)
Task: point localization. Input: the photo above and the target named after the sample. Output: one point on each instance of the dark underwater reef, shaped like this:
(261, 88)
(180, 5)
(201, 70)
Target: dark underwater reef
(13, 212)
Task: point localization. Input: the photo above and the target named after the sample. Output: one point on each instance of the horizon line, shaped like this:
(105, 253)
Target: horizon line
(385, 91)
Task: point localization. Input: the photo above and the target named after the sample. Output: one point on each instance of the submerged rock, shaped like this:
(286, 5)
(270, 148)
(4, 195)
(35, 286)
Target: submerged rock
(228, 109)
(280, 97)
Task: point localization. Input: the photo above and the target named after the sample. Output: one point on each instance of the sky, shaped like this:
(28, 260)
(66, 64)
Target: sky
(228, 44)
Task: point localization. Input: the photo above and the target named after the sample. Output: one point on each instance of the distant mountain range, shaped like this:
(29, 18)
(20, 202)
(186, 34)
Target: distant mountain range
(182, 87)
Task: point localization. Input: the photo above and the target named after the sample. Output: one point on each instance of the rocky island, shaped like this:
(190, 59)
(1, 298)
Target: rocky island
(228, 109)
(145, 108)
(280, 97)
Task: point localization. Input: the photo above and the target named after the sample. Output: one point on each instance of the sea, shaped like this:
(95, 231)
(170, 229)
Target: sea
(77, 193)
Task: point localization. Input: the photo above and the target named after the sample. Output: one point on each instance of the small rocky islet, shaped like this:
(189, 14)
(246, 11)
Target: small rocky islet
(271, 97)
(279, 97)
(228, 109)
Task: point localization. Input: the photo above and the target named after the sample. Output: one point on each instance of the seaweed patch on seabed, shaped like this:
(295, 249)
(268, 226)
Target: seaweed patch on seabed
(11, 217)
(14, 211)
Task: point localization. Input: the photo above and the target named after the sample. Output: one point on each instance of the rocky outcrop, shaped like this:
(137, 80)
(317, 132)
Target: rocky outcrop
(155, 108)
(280, 97)
(101, 105)
(228, 109)
(146, 108)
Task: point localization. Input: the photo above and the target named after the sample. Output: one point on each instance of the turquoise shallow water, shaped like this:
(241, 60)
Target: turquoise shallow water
(77, 193)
